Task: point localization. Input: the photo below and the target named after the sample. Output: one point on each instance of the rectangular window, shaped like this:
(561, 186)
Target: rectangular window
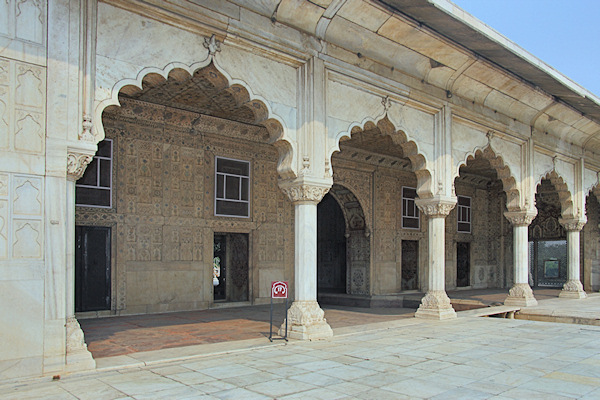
(232, 188)
(464, 214)
(410, 212)
(94, 188)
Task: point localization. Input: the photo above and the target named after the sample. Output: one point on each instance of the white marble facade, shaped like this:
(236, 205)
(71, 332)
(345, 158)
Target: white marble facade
(322, 69)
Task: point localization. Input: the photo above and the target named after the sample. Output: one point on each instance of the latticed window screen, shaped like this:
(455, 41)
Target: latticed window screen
(410, 212)
(464, 214)
(232, 187)
(94, 189)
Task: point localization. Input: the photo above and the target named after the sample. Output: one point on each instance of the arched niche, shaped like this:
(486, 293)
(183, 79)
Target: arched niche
(357, 240)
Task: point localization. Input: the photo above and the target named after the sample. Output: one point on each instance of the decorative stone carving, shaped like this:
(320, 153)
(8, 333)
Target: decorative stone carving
(573, 289)
(435, 305)
(76, 164)
(520, 218)
(436, 207)
(86, 133)
(306, 322)
(213, 45)
(572, 225)
(520, 295)
(303, 192)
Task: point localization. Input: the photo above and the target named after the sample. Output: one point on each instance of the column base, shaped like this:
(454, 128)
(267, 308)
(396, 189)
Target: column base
(306, 322)
(520, 295)
(436, 305)
(572, 289)
(79, 357)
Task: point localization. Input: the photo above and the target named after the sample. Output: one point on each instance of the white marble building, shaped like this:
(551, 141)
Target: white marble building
(422, 93)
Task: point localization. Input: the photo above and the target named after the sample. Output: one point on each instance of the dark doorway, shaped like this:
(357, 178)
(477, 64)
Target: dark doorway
(331, 246)
(548, 263)
(92, 268)
(463, 264)
(410, 264)
(230, 267)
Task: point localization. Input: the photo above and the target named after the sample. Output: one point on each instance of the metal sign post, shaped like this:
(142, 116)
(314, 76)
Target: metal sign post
(279, 290)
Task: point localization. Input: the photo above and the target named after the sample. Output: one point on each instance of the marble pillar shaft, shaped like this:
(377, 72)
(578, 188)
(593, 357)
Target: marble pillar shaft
(305, 266)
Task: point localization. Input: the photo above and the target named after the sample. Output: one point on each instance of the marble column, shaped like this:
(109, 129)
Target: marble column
(78, 356)
(573, 288)
(436, 303)
(520, 294)
(305, 317)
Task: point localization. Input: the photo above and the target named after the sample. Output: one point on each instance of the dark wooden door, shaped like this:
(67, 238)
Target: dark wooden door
(410, 264)
(92, 268)
(331, 246)
(463, 264)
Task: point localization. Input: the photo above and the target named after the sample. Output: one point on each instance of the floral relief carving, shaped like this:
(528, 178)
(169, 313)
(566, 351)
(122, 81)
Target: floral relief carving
(520, 218)
(573, 285)
(572, 225)
(309, 193)
(76, 164)
(435, 208)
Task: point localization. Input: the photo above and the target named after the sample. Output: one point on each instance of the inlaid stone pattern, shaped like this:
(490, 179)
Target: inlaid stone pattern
(21, 212)
(164, 177)
(22, 111)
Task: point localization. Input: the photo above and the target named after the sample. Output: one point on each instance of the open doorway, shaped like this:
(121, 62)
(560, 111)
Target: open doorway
(230, 267)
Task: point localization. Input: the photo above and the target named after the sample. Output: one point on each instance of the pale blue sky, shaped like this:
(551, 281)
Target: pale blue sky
(563, 33)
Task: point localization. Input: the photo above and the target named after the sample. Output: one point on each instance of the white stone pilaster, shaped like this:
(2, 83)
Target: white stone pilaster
(520, 294)
(305, 318)
(78, 356)
(573, 289)
(436, 303)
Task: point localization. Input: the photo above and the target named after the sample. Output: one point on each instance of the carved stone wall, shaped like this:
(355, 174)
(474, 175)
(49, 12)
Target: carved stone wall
(26, 295)
(590, 251)
(486, 236)
(164, 207)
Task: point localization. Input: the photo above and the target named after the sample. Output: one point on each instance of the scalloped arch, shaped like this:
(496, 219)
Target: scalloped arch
(564, 194)
(399, 137)
(242, 93)
(509, 183)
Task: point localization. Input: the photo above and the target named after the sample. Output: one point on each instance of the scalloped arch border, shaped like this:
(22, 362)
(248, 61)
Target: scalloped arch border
(285, 146)
(417, 158)
(509, 183)
(562, 188)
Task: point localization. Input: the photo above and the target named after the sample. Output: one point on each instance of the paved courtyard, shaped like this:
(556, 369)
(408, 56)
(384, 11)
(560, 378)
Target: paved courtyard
(466, 358)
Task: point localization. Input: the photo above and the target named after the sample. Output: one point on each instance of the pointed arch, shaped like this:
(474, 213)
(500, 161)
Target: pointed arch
(509, 183)
(564, 194)
(410, 149)
(248, 107)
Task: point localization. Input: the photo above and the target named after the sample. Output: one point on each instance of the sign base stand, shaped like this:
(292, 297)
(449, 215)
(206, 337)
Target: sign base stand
(271, 338)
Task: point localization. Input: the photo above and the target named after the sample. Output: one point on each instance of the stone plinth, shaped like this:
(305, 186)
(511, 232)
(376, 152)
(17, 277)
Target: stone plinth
(306, 322)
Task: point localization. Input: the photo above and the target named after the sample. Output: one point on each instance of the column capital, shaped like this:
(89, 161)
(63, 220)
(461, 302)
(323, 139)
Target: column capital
(573, 224)
(78, 158)
(436, 206)
(302, 191)
(521, 217)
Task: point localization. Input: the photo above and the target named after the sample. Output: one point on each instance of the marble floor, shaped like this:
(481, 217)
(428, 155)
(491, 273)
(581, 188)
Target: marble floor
(465, 358)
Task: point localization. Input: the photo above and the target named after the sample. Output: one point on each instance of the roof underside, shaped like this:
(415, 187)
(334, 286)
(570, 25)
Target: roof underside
(486, 43)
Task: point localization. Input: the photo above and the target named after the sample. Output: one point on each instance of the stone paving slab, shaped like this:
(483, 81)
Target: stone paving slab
(407, 358)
